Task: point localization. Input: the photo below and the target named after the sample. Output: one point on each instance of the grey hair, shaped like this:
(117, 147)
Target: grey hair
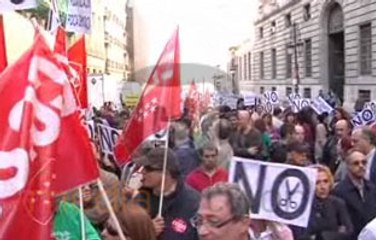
(369, 135)
(239, 202)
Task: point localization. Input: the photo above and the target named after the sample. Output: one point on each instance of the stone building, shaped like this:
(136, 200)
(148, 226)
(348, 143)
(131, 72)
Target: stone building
(311, 45)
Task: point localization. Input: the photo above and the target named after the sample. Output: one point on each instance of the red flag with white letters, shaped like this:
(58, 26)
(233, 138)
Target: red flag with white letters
(31, 105)
(160, 101)
(77, 59)
(74, 147)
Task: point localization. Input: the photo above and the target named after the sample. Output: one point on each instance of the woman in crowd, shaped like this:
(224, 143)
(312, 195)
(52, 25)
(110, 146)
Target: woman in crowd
(135, 224)
(322, 131)
(266, 139)
(289, 119)
(329, 219)
(270, 129)
(339, 114)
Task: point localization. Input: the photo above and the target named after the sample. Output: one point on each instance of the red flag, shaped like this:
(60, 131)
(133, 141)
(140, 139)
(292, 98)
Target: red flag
(3, 49)
(159, 102)
(77, 153)
(77, 58)
(30, 124)
(192, 102)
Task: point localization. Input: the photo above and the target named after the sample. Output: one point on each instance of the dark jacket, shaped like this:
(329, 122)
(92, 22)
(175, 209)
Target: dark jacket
(241, 142)
(327, 215)
(361, 210)
(178, 208)
(187, 156)
(329, 153)
(278, 152)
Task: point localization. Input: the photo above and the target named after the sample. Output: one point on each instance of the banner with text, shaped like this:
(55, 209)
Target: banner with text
(79, 16)
(278, 192)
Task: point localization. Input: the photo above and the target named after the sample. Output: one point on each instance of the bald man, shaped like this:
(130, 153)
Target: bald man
(247, 140)
(330, 155)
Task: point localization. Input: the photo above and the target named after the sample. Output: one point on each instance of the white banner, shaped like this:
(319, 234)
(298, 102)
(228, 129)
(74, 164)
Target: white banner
(250, 99)
(298, 103)
(272, 97)
(79, 16)
(320, 106)
(11, 5)
(278, 192)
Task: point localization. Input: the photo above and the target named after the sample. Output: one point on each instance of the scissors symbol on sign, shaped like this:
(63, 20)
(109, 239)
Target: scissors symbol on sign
(288, 202)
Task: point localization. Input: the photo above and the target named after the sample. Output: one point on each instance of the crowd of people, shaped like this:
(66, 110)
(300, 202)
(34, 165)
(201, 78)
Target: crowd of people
(198, 201)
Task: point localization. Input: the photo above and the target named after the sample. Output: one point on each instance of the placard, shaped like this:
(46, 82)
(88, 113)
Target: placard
(278, 192)
(249, 99)
(366, 117)
(272, 97)
(79, 16)
(320, 106)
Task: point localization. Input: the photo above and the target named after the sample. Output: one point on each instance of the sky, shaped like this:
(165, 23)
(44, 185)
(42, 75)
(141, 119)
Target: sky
(207, 27)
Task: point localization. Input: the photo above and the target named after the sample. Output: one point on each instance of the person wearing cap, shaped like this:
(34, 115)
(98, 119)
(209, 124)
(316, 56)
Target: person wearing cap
(180, 201)
(298, 154)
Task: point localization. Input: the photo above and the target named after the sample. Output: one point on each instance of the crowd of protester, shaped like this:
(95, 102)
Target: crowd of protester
(198, 201)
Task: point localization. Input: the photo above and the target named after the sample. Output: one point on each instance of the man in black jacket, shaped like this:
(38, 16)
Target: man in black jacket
(358, 193)
(180, 202)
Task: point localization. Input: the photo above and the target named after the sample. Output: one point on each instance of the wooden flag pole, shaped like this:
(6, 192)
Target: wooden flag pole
(110, 209)
(164, 172)
(82, 214)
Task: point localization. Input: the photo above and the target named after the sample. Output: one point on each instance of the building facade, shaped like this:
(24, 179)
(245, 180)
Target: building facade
(309, 45)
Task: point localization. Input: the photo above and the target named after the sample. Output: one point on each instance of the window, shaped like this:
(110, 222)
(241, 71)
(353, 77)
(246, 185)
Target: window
(245, 66)
(307, 93)
(249, 66)
(262, 90)
(240, 69)
(365, 49)
(308, 57)
(274, 89)
(261, 65)
(364, 95)
(288, 20)
(261, 32)
(288, 91)
(273, 28)
(288, 63)
(274, 63)
(307, 12)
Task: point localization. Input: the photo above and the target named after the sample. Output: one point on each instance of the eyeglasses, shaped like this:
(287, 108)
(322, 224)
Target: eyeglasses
(358, 163)
(197, 221)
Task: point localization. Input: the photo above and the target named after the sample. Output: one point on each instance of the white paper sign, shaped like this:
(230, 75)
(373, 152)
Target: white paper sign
(272, 97)
(278, 192)
(249, 99)
(231, 101)
(79, 16)
(11, 5)
(298, 104)
(320, 106)
(365, 117)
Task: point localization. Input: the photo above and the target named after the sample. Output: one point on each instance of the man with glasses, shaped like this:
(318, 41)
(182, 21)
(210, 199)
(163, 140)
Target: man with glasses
(358, 193)
(180, 201)
(223, 213)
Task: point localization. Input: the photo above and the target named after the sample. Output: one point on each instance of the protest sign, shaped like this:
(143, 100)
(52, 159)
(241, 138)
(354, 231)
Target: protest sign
(320, 106)
(370, 105)
(90, 127)
(298, 104)
(365, 117)
(11, 5)
(79, 16)
(250, 98)
(272, 97)
(278, 192)
(231, 101)
(107, 137)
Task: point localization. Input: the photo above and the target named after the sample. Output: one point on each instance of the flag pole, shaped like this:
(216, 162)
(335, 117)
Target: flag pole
(82, 214)
(164, 171)
(110, 209)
